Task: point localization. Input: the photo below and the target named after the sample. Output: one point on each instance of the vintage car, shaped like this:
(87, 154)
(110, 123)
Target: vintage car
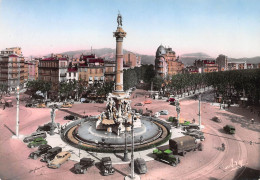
(51, 154)
(70, 117)
(216, 119)
(165, 154)
(140, 166)
(148, 102)
(30, 105)
(229, 129)
(106, 166)
(66, 105)
(37, 142)
(46, 127)
(34, 136)
(164, 112)
(170, 100)
(139, 104)
(41, 105)
(42, 149)
(196, 135)
(59, 159)
(83, 165)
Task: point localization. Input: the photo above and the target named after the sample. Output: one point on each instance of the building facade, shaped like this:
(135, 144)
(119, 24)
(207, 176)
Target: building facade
(132, 60)
(222, 62)
(166, 63)
(206, 66)
(12, 68)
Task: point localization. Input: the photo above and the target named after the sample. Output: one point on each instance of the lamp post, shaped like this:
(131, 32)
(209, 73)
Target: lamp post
(79, 148)
(125, 159)
(132, 155)
(52, 121)
(199, 111)
(178, 109)
(17, 112)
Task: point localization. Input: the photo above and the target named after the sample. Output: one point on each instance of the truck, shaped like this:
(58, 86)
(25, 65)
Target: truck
(184, 144)
(165, 154)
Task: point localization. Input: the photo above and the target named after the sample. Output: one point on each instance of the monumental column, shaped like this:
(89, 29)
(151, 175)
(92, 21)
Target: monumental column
(119, 34)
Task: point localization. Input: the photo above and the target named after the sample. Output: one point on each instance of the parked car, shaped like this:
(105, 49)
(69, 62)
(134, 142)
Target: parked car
(170, 100)
(216, 119)
(34, 136)
(140, 166)
(66, 105)
(51, 154)
(42, 149)
(83, 165)
(148, 102)
(164, 112)
(41, 105)
(37, 142)
(46, 127)
(139, 104)
(30, 105)
(106, 166)
(165, 154)
(59, 159)
(192, 126)
(229, 129)
(70, 117)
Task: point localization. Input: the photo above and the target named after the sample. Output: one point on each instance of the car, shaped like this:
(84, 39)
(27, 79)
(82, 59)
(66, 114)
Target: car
(34, 136)
(41, 105)
(70, 117)
(59, 159)
(51, 154)
(86, 101)
(106, 166)
(170, 100)
(66, 105)
(54, 106)
(30, 105)
(37, 142)
(229, 129)
(83, 165)
(164, 112)
(148, 102)
(185, 123)
(42, 149)
(140, 166)
(165, 154)
(46, 127)
(199, 136)
(139, 104)
(216, 119)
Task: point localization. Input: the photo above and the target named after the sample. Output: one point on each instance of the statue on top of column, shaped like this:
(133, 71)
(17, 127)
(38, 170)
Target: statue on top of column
(119, 19)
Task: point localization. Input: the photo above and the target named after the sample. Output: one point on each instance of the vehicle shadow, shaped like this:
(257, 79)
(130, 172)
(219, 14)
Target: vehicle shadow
(119, 156)
(9, 129)
(72, 113)
(221, 130)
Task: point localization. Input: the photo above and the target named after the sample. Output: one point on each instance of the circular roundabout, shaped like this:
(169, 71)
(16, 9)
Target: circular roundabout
(84, 135)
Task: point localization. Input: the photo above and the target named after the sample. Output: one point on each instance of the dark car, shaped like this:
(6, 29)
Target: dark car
(140, 166)
(30, 105)
(83, 165)
(229, 129)
(106, 166)
(42, 149)
(139, 104)
(50, 155)
(70, 117)
(86, 101)
(34, 136)
(216, 119)
(45, 127)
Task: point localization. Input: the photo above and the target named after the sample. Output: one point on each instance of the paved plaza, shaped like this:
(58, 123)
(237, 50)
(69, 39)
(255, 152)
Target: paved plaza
(240, 156)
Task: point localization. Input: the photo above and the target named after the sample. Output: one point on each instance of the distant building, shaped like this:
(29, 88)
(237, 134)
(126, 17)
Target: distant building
(33, 69)
(166, 63)
(72, 74)
(11, 67)
(110, 70)
(206, 66)
(132, 60)
(53, 69)
(91, 69)
(222, 63)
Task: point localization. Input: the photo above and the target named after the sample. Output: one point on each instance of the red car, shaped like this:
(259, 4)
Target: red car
(171, 100)
(148, 102)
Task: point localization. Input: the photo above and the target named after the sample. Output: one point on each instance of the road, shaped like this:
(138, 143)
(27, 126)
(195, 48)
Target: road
(211, 163)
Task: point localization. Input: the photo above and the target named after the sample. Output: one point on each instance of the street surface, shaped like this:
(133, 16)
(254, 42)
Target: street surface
(240, 159)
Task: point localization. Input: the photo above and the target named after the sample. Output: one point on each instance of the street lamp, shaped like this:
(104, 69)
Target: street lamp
(178, 110)
(125, 159)
(17, 111)
(79, 144)
(132, 155)
(199, 111)
(52, 121)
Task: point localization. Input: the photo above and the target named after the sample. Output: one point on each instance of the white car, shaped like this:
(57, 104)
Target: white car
(164, 112)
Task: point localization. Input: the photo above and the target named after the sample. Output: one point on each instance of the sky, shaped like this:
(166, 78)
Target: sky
(40, 27)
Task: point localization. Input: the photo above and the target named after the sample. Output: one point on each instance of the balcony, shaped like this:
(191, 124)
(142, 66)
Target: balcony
(110, 73)
(63, 75)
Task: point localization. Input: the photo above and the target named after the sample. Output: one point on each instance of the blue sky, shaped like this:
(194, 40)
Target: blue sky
(230, 27)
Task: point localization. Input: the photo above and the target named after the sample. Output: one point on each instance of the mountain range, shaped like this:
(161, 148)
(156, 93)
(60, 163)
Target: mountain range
(187, 59)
